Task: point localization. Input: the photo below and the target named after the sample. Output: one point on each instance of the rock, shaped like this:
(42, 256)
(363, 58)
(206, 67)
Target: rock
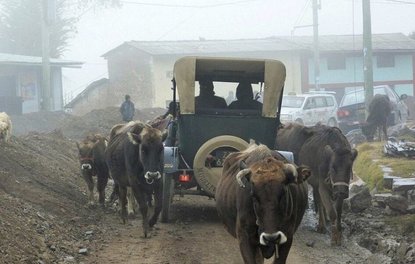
(397, 203)
(380, 198)
(410, 254)
(388, 181)
(356, 186)
(310, 243)
(411, 209)
(401, 252)
(69, 259)
(83, 251)
(403, 184)
(88, 233)
(359, 201)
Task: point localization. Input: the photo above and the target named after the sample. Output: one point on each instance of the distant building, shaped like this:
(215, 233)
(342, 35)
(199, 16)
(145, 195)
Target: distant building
(97, 95)
(144, 68)
(21, 83)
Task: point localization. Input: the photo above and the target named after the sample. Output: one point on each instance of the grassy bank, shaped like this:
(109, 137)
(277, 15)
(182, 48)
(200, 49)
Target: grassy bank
(371, 156)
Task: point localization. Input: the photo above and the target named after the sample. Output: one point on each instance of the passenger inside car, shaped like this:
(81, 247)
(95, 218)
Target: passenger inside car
(207, 97)
(245, 98)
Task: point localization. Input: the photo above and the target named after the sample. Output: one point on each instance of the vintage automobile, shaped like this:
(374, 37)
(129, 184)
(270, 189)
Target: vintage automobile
(200, 138)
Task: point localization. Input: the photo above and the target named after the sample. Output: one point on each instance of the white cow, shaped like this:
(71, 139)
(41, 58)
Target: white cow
(5, 127)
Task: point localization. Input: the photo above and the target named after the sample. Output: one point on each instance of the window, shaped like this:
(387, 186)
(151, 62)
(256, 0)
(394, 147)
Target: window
(330, 101)
(336, 62)
(320, 102)
(385, 61)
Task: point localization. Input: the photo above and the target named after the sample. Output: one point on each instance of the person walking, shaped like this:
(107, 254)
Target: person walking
(127, 109)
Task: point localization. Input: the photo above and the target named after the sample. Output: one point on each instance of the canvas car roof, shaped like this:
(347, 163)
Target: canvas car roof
(189, 69)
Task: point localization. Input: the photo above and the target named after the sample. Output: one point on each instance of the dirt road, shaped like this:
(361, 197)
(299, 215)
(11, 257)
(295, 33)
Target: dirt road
(195, 235)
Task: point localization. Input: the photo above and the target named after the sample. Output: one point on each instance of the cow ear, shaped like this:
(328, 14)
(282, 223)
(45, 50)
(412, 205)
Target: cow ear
(354, 154)
(290, 172)
(303, 173)
(135, 139)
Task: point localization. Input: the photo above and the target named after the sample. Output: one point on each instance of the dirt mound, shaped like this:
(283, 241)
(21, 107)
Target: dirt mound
(43, 213)
(76, 127)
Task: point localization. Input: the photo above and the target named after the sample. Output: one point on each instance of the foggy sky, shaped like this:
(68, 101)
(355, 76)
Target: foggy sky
(100, 30)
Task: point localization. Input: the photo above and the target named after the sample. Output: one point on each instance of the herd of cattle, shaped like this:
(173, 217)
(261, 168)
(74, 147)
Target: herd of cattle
(261, 197)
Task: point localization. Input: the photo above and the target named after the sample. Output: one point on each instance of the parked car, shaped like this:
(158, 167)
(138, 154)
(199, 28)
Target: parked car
(309, 108)
(200, 138)
(351, 111)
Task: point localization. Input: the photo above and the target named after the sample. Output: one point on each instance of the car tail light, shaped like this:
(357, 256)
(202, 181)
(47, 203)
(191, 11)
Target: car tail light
(184, 177)
(343, 113)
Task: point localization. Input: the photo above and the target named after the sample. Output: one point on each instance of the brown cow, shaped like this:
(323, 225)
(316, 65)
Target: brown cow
(261, 199)
(91, 157)
(135, 158)
(329, 155)
(379, 112)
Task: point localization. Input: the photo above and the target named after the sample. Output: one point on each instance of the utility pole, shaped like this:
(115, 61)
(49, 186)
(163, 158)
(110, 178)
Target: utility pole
(48, 16)
(367, 54)
(316, 6)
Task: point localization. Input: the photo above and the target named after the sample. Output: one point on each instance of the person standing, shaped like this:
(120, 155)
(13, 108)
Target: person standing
(127, 109)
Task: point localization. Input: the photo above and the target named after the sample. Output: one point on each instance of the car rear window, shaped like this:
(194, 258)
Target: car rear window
(293, 102)
(359, 96)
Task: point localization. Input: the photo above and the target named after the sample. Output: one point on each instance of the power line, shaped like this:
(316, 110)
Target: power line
(187, 6)
(401, 2)
(302, 13)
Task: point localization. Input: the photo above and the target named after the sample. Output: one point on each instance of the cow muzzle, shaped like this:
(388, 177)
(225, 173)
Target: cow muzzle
(86, 166)
(151, 176)
(276, 238)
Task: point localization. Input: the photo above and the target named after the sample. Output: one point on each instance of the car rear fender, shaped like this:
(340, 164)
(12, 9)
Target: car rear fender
(171, 159)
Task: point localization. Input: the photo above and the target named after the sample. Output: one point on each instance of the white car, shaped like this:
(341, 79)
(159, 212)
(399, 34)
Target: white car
(309, 109)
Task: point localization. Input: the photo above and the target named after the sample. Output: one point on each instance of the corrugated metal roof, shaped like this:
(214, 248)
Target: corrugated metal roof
(15, 59)
(392, 41)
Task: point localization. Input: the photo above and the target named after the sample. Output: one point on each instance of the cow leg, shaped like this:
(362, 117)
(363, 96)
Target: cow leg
(158, 193)
(90, 182)
(101, 184)
(114, 195)
(385, 131)
(142, 203)
(131, 203)
(123, 202)
(328, 205)
(321, 226)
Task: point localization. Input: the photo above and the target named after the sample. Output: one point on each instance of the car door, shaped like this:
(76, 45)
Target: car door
(320, 111)
(308, 109)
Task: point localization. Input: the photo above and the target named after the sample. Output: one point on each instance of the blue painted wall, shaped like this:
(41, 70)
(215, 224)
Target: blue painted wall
(354, 72)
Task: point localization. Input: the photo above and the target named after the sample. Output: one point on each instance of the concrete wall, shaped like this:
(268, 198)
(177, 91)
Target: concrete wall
(97, 98)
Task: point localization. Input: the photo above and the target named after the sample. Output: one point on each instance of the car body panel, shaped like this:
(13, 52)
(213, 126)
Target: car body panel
(351, 111)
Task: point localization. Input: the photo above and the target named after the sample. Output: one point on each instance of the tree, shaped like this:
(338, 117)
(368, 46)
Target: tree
(20, 25)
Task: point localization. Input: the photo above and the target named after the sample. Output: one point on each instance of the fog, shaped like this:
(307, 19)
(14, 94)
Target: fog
(100, 30)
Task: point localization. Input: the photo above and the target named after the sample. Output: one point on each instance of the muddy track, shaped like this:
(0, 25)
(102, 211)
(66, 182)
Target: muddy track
(195, 235)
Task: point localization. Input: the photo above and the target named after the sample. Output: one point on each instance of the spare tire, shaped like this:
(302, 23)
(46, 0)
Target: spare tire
(206, 177)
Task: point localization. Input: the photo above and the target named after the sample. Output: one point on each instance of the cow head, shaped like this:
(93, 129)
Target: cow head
(151, 151)
(85, 149)
(339, 172)
(269, 180)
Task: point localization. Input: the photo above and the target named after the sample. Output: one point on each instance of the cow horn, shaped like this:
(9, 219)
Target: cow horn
(241, 175)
